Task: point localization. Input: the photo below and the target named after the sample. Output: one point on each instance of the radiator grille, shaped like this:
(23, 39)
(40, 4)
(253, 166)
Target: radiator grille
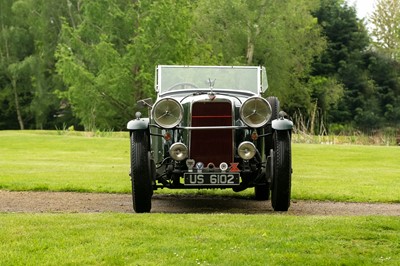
(213, 145)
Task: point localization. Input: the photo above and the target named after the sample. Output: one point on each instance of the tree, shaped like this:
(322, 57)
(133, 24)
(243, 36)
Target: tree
(281, 35)
(343, 60)
(386, 27)
(325, 92)
(93, 61)
(108, 59)
(43, 18)
(15, 50)
(164, 39)
(29, 36)
(97, 58)
(386, 72)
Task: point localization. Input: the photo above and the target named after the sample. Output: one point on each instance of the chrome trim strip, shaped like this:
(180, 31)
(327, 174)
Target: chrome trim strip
(204, 128)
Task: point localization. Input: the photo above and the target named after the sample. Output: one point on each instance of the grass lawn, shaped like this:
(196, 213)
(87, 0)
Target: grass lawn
(197, 239)
(43, 160)
(346, 173)
(37, 160)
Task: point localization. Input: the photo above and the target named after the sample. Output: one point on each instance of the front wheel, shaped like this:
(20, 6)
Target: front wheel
(142, 189)
(282, 171)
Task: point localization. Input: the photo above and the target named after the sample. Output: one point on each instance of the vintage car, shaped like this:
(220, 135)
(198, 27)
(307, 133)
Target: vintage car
(210, 128)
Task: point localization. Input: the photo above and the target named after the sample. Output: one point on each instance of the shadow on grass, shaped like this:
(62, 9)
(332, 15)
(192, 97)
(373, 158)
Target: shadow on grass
(208, 204)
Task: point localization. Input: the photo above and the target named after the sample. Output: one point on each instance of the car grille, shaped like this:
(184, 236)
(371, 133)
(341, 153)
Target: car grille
(212, 145)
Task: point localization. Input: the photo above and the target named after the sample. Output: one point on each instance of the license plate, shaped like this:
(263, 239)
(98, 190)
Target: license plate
(212, 179)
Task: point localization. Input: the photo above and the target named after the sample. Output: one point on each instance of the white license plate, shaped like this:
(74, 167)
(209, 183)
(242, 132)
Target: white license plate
(212, 179)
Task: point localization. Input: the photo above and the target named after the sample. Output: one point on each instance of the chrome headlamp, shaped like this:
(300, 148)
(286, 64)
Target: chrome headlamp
(247, 150)
(167, 113)
(178, 151)
(255, 112)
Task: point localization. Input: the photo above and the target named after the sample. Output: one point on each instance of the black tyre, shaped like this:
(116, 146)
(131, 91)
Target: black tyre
(275, 105)
(142, 189)
(282, 177)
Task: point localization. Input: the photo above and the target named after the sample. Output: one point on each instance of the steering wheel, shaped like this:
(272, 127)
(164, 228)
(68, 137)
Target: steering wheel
(183, 85)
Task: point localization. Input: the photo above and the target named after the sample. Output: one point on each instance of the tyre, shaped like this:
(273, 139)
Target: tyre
(142, 189)
(282, 172)
(275, 105)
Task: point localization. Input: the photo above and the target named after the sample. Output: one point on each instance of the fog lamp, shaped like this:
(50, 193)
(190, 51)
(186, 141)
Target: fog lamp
(246, 150)
(178, 151)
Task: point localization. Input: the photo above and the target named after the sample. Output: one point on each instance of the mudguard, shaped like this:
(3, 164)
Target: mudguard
(138, 123)
(282, 124)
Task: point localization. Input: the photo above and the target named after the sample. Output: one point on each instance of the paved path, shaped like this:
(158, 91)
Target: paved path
(69, 202)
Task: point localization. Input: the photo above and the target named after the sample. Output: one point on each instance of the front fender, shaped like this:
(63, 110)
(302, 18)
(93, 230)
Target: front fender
(282, 124)
(137, 124)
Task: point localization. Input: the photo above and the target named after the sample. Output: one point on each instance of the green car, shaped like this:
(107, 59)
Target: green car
(211, 128)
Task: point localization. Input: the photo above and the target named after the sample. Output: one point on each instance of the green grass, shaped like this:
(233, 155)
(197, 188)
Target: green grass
(346, 173)
(37, 160)
(206, 239)
(73, 161)
(46, 160)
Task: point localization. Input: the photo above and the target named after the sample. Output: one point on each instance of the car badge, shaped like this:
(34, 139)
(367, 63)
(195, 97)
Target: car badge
(234, 167)
(210, 167)
(199, 166)
(211, 83)
(211, 94)
(223, 166)
(190, 164)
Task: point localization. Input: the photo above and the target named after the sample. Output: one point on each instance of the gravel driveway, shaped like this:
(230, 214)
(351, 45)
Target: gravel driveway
(69, 202)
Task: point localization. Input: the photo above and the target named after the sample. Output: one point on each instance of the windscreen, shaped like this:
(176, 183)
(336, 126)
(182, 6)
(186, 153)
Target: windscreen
(174, 78)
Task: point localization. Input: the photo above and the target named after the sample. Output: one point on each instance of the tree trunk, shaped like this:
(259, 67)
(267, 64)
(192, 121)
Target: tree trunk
(253, 33)
(17, 108)
(313, 115)
(250, 51)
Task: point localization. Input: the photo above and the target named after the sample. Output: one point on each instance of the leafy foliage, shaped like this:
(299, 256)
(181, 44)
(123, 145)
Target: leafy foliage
(92, 60)
(282, 35)
(386, 24)
(348, 59)
(85, 63)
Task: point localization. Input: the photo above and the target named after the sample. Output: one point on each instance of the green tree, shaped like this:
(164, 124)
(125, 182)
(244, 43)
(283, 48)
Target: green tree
(29, 36)
(386, 72)
(15, 50)
(164, 36)
(43, 18)
(385, 21)
(282, 35)
(325, 92)
(95, 65)
(343, 60)
(108, 59)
